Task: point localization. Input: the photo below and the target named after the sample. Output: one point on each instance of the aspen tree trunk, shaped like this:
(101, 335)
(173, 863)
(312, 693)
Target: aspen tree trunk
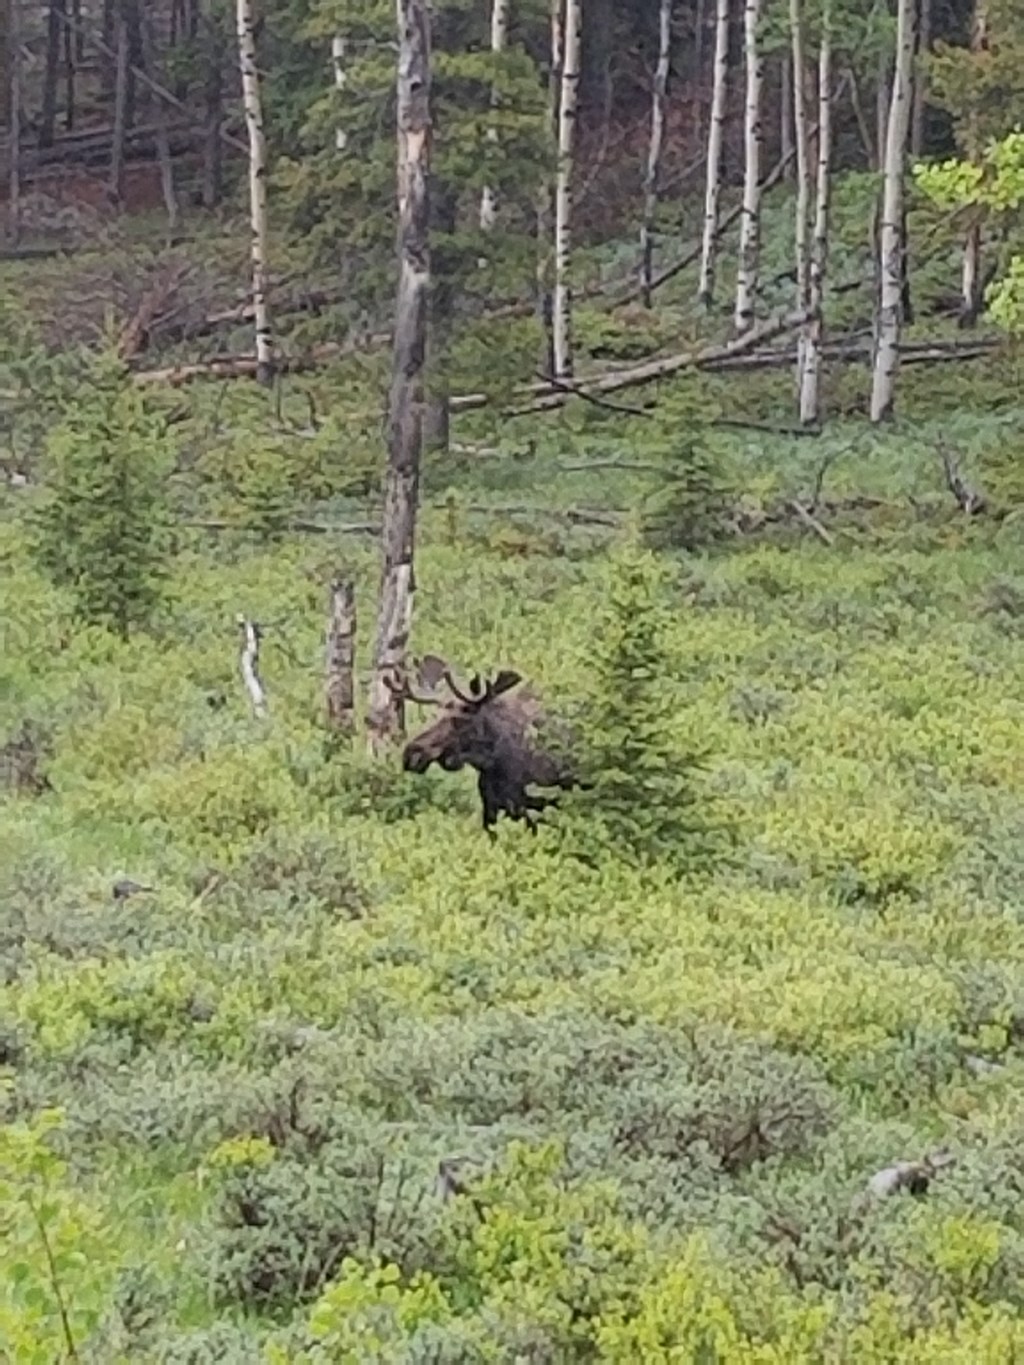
(803, 167)
(546, 199)
(339, 48)
(750, 218)
(810, 376)
(386, 715)
(499, 35)
(14, 122)
(892, 237)
(970, 273)
(786, 103)
(246, 21)
(654, 150)
(562, 302)
(120, 111)
(716, 129)
(924, 43)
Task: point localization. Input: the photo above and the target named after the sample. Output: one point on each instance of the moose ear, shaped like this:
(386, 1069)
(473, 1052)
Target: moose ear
(507, 679)
(476, 686)
(431, 671)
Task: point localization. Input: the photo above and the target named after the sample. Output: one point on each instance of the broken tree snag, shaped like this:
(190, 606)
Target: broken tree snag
(249, 665)
(385, 714)
(970, 501)
(257, 188)
(340, 657)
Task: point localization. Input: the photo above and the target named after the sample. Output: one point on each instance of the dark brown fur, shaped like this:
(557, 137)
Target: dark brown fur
(486, 728)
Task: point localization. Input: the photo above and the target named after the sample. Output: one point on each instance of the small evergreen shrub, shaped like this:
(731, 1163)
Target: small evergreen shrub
(103, 528)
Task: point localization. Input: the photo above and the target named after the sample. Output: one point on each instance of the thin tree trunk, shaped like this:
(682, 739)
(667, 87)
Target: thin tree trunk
(213, 99)
(970, 273)
(546, 199)
(386, 716)
(499, 35)
(786, 112)
(699, 26)
(163, 143)
(803, 176)
(654, 150)
(257, 188)
(750, 218)
(339, 47)
(14, 122)
(51, 75)
(810, 377)
(70, 63)
(892, 243)
(716, 130)
(562, 301)
(120, 101)
(883, 99)
(924, 43)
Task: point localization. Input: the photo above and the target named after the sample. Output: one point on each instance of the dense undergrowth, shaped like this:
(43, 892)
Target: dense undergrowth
(351, 1083)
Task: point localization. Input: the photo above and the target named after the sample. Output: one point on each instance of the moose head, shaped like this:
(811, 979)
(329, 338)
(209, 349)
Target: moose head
(482, 726)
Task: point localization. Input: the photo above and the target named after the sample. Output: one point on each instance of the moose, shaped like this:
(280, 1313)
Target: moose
(482, 726)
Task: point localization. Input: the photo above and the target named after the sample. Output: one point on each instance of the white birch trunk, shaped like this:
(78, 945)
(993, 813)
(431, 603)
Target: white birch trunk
(499, 35)
(339, 49)
(970, 271)
(889, 320)
(249, 666)
(257, 187)
(385, 716)
(561, 323)
(713, 183)
(810, 375)
(803, 166)
(654, 150)
(750, 218)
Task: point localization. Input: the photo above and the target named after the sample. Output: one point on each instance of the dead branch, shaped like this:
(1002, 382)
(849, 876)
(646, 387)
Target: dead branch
(810, 522)
(317, 528)
(248, 663)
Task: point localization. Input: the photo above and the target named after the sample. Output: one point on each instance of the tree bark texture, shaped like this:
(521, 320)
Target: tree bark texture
(562, 301)
(801, 133)
(386, 716)
(546, 199)
(339, 661)
(970, 272)
(51, 74)
(924, 42)
(654, 146)
(716, 131)
(753, 137)
(246, 22)
(14, 123)
(892, 241)
(163, 142)
(499, 36)
(787, 148)
(120, 110)
(810, 377)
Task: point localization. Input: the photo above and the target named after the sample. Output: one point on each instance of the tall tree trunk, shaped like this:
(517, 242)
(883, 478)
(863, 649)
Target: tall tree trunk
(257, 188)
(697, 72)
(499, 35)
(883, 100)
(753, 136)
(444, 263)
(654, 150)
(546, 198)
(786, 111)
(163, 142)
(386, 716)
(213, 99)
(892, 235)
(120, 105)
(716, 130)
(810, 377)
(562, 300)
(135, 59)
(70, 63)
(803, 175)
(14, 122)
(970, 273)
(924, 42)
(339, 48)
(51, 74)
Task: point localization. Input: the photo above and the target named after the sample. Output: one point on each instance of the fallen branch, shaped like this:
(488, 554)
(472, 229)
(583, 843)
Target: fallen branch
(249, 661)
(812, 523)
(317, 528)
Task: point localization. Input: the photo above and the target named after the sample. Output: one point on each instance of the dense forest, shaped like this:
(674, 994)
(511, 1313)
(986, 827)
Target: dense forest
(511, 704)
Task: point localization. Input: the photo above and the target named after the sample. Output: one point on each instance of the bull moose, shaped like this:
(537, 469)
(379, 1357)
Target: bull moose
(483, 726)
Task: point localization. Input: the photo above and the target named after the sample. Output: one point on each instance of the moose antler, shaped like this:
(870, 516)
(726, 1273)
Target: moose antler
(398, 683)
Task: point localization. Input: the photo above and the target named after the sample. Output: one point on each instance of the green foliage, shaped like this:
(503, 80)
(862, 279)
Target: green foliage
(103, 525)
